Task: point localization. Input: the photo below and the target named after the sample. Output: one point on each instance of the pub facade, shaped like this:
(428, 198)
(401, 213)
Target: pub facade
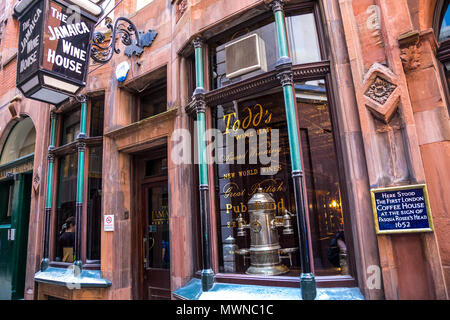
(176, 195)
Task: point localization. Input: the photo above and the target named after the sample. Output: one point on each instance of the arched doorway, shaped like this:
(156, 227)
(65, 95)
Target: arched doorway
(16, 169)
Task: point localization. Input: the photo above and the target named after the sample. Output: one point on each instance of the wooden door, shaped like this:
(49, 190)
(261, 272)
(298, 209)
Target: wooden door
(15, 198)
(155, 231)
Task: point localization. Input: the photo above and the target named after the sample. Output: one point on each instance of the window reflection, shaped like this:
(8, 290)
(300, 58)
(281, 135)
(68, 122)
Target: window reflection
(321, 176)
(70, 127)
(66, 201)
(97, 115)
(444, 33)
(158, 227)
(303, 46)
(156, 167)
(20, 142)
(303, 40)
(6, 198)
(153, 102)
(448, 74)
(94, 204)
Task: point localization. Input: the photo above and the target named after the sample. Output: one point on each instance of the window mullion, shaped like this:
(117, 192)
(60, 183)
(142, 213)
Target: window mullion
(81, 145)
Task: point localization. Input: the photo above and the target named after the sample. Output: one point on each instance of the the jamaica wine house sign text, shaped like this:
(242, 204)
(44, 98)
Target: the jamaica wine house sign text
(29, 42)
(53, 51)
(66, 43)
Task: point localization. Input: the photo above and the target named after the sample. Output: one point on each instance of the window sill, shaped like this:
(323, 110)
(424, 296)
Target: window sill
(87, 266)
(66, 277)
(226, 291)
(342, 281)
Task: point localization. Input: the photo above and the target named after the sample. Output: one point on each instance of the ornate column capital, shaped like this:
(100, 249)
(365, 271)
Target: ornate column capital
(199, 102)
(51, 157)
(51, 154)
(286, 78)
(275, 5)
(81, 145)
(198, 42)
(81, 98)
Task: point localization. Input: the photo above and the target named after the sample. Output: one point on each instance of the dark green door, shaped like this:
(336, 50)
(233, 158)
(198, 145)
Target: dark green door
(15, 197)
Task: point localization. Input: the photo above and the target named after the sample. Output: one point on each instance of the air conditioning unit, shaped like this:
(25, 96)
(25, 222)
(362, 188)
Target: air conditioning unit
(245, 55)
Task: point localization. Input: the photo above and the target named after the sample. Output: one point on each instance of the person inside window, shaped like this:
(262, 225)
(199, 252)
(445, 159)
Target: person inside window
(337, 249)
(165, 254)
(67, 240)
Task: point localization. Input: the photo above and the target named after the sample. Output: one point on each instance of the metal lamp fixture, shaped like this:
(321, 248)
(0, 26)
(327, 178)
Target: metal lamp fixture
(103, 49)
(55, 39)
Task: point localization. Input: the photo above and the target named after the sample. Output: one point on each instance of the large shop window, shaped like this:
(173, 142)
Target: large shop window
(321, 176)
(246, 122)
(66, 186)
(238, 179)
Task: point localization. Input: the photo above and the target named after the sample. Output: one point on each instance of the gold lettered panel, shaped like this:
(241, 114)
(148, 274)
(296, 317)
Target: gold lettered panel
(404, 209)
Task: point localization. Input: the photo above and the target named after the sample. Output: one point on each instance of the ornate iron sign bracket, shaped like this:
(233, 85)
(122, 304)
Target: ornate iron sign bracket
(102, 50)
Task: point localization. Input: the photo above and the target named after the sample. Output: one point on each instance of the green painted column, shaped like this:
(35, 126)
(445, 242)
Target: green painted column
(81, 145)
(200, 106)
(284, 67)
(48, 198)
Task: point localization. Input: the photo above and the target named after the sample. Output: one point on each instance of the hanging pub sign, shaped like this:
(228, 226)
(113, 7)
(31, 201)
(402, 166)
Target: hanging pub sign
(402, 209)
(53, 49)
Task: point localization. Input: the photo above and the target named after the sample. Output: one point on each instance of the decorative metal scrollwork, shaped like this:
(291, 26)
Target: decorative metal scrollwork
(135, 41)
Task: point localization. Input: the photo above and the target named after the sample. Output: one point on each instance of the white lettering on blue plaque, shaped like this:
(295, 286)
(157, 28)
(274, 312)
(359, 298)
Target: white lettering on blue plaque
(402, 209)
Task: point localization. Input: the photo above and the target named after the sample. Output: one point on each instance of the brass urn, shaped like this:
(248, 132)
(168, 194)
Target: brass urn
(264, 239)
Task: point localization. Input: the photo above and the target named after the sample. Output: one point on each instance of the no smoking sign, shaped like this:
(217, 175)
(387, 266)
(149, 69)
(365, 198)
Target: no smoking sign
(108, 224)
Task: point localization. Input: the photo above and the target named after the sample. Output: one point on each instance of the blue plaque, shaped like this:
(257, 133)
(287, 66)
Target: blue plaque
(402, 209)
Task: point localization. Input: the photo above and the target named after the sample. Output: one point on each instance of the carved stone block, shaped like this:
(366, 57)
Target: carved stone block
(410, 57)
(410, 47)
(381, 92)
